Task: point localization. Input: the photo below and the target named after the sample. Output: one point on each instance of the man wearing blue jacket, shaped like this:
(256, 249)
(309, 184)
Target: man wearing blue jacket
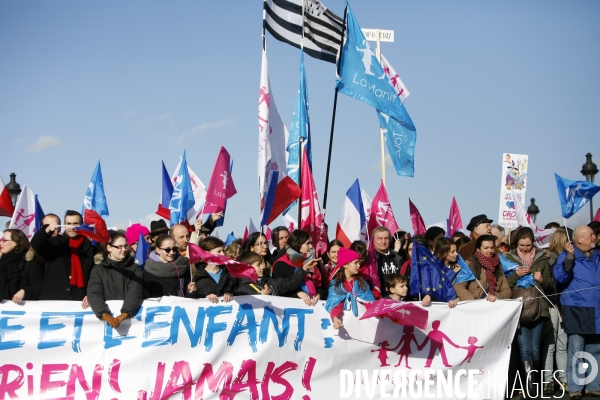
(577, 273)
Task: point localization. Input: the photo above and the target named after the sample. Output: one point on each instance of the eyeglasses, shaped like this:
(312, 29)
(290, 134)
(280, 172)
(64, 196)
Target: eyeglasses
(170, 249)
(259, 244)
(120, 247)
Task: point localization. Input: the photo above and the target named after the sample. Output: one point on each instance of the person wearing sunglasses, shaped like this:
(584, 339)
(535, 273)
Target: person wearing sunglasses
(116, 278)
(167, 272)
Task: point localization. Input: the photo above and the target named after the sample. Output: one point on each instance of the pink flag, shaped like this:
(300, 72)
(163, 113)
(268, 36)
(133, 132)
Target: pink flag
(381, 212)
(416, 219)
(236, 269)
(268, 234)
(312, 217)
(221, 185)
(542, 236)
(401, 313)
(370, 271)
(246, 234)
(597, 216)
(455, 221)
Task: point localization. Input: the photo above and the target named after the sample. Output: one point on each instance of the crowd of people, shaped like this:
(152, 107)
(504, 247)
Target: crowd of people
(560, 320)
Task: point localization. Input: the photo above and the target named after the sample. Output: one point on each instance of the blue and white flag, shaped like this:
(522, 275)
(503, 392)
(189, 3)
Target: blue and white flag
(183, 196)
(94, 195)
(574, 194)
(465, 274)
(362, 77)
(300, 128)
(400, 142)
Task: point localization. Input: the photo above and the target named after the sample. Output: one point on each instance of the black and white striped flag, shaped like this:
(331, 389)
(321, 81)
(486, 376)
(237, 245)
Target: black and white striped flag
(322, 28)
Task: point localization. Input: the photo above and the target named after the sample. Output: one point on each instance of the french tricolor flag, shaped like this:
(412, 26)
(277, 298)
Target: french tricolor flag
(166, 194)
(280, 194)
(352, 218)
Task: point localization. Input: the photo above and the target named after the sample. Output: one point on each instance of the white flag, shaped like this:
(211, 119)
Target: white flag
(272, 135)
(542, 236)
(394, 79)
(24, 215)
(366, 200)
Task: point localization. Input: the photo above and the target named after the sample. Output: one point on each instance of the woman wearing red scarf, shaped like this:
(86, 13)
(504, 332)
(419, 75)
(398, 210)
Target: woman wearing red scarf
(486, 267)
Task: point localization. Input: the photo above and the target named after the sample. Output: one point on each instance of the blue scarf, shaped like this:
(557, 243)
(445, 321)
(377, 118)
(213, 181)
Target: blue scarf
(349, 299)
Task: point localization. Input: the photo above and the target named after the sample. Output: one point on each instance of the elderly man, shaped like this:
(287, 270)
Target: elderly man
(500, 242)
(68, 259)
(388, 261)
(479, 225)
(577, 273)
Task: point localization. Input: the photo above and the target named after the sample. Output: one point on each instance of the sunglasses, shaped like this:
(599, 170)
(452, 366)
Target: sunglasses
(170, 249)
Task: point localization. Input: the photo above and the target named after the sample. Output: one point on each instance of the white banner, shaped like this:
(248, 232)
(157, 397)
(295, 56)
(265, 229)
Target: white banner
(256, 347)
(512, 187)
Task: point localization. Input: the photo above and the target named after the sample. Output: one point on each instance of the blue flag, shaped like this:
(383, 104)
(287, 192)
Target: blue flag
(361, 75)
(183, 196)
(94, 195)
(39, 214)
(574, 194)
(509, 267)
(465, 274)
(230, 239)
(400, 141)
(141, 253)
(429, 276)
(167, 187)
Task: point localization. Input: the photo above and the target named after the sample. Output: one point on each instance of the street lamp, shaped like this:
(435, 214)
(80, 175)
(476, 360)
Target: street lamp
(14, 189)
(533, 210)
(589, 170)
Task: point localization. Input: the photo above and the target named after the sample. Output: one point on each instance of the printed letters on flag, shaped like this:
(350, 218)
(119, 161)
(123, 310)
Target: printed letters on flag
(24, 216)
(183, 197)
(362, 77)
(381, 212)
(322, 28)
(400, 142)
(236, 269)
(221, 186)
(416, 219)
(94, 195)
(272, 136)
(574, 194)
(352, 218)
(6, 206)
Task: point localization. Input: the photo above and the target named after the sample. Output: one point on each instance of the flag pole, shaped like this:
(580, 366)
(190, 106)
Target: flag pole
(333, 114)
(300, 179)
(378, 53)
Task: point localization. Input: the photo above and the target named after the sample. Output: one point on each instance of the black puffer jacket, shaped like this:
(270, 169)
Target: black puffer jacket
(278, 286)
(206, 285)
(11, 265)
(57, 265)
(116, 280)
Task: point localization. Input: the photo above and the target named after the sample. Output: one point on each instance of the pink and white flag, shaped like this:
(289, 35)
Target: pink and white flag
(542, 236)
(399, 312)
(381, 212)
(416, 219)
(236, 269)
(366, 201)
(312, 217)
(394, 79)
(198, 189)
(221, 186)
(272, 135)
(6, 206)
(454, 220)
(24, 216)
(290, 222)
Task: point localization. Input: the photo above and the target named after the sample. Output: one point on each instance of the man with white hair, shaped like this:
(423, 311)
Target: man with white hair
(577, 273)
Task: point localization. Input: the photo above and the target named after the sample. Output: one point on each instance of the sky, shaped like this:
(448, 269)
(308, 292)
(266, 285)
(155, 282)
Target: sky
(133, 83)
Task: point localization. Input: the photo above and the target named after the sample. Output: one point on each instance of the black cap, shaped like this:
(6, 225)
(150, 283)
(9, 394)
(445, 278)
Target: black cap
(478, 219)
(158, 227)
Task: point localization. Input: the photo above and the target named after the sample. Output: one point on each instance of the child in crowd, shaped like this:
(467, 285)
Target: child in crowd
(213, 281)
(267, 285)
(397, 286)
(346, 287)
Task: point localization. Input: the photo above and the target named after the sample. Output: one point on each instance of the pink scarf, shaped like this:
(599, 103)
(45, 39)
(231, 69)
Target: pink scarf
(526, 258)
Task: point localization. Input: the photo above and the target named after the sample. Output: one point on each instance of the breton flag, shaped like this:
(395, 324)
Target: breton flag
(322, 28)
(352, 218)
(198, 189)
(394, 79)
(272, 138)
(24, 216)
(6, 206)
